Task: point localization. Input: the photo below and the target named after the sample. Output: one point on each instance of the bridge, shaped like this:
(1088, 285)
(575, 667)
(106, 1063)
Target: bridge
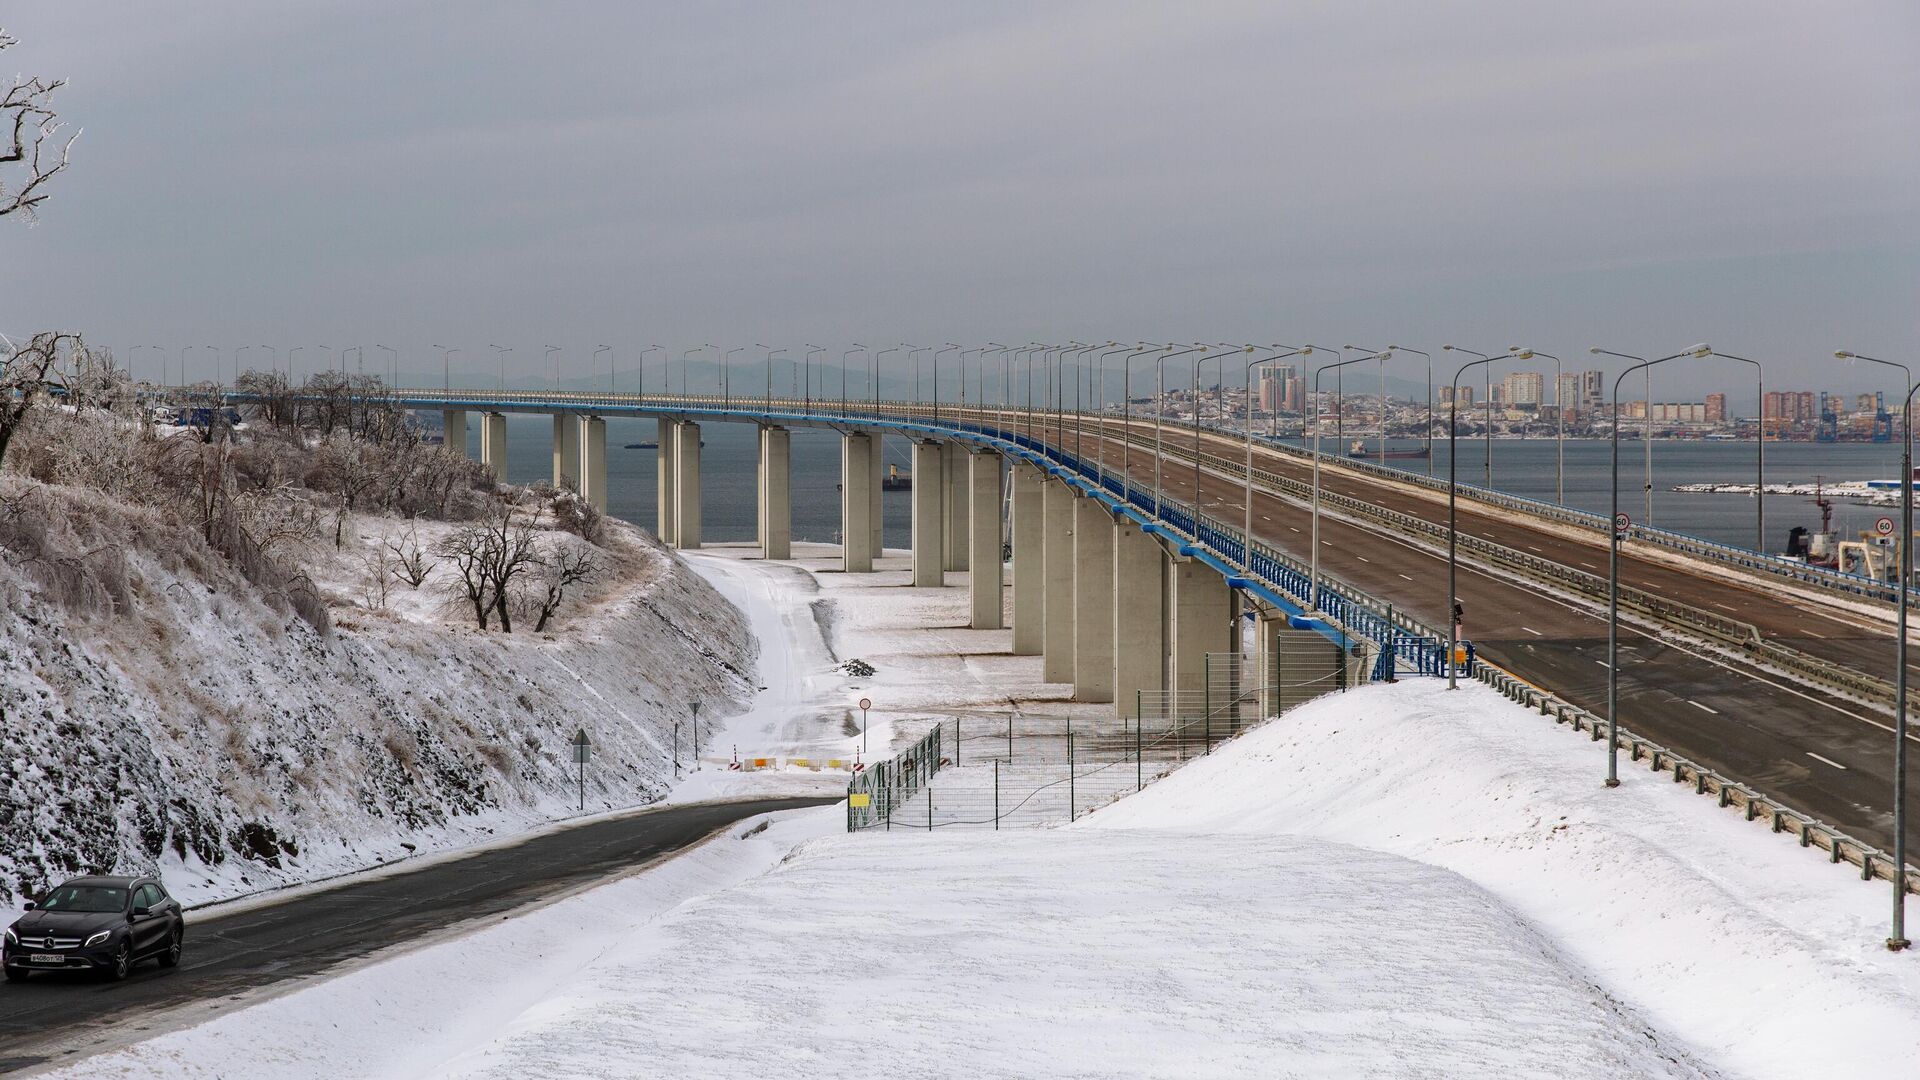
(1135, 553)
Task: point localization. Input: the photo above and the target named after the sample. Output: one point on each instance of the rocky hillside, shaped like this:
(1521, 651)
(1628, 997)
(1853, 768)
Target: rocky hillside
(179, 716)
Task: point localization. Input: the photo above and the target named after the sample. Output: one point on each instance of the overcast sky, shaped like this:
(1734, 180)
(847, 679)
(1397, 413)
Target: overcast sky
(1641, 175)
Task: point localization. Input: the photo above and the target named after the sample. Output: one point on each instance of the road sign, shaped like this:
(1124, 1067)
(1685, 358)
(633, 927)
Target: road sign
(865, 704)
(1622, 523)
(581, 749)
(859, 800)
(1884, 526)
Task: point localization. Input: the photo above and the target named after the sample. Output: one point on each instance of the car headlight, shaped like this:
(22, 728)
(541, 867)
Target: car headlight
(12, 938)
(97, 939)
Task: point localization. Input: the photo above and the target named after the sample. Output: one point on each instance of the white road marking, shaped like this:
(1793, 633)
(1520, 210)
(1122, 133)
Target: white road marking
(1530, 547)
(1326, 543)
(1363, 558)
(1724, 607)
(1825, 760)
(1405, 576)
(1589, 566)
(1529, 630)
(1602, 663)
(1702, 708)
(1292, 529)
(1813, 633)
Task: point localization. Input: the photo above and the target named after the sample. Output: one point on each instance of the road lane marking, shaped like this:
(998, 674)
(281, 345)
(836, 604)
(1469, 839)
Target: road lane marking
(1724, 607)
(1292, 529)
(1602, 663)
(1363, 558)
(1529, 630)
(1405, 576)
(1589, 566)
(1825, 760)
(1530, 547)
(1813, 633)
(1702, 708)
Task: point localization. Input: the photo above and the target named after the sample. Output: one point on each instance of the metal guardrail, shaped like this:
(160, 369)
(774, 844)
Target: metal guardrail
(1810, 831)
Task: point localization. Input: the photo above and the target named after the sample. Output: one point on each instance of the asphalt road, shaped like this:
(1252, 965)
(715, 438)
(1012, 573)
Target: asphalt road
(53, 1018)
(1828, 758)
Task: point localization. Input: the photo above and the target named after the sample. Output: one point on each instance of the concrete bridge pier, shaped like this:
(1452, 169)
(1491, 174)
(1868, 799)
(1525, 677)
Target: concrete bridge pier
(664, 474)
(988, 579)
(493, 445)
(1056, 553)
(1093, 601)
(957, 485)
(1198, 603)
(859, 467)
(593, 462)
(686, 486)
(1029, 560)
(566, 451)
(776, 493)
(876, 503)
(1139, 622)
(453, 425)
(929, 512)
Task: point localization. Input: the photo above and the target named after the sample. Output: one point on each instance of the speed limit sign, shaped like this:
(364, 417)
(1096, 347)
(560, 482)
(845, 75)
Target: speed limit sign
(1621, 523)
(1884, 526)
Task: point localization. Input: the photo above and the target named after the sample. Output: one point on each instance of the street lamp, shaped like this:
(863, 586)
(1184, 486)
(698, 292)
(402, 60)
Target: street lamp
(1453, 527)
(500, 354)
(1101, 405)
(1197, 361)
(948, 347)
(1159, 413)
(770, 353)
(640, 378)
(1759, 455)
(546, 361)
(1429, 358)
(1897, 940)
(1313, 583)
(845, 363)
(1489, 395)
(597, 350)
(1559, 420)
(1613, 556)
(393, 364)
(806, 373)
(1383, 396)
(1126, 423)
(1246, 533)
(726, 376)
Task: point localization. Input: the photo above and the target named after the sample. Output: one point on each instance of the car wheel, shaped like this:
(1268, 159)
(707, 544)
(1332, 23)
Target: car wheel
(171, 958)
(122, 962)
(15, 974)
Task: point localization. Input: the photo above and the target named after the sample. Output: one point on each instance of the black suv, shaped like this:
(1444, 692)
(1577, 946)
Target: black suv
(100, 924)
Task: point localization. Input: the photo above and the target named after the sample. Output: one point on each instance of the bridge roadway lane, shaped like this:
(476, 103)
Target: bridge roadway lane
(1858, 642)
(1759, 731)
(55, 1019)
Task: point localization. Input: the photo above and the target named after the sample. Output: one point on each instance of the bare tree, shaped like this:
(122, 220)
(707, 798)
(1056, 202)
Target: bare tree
(466, 549)
(567, 566)
(347, 468)
(409, 562)
(30, 158)
(29, 372)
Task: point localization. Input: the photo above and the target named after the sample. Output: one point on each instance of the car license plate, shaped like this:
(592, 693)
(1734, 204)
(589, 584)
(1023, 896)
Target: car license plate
(46, 958)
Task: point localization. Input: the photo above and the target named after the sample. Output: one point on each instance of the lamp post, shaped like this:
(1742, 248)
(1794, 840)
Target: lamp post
(1313, 583)
(726, 376)
(1429, 359)
(393, 364)
(546, 361)
(1246, 532)
(1559, 422)
(876, 376)
(640, 378)
(597, 350)
(1897, 940)
(1613, 557)
(806, 372)
(1159, 413)
(1489, 395)
(1759, 457)
(846, 358)
(770, 353)
(948, 347)
(292, 377)
(1453, 527)
(1126, 405)
(500, 354)
(1197, 361)
(1383, 395)
(1101, 433)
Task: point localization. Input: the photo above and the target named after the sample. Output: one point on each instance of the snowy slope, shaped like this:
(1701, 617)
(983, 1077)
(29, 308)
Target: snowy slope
(1713, 925)
(233, 747)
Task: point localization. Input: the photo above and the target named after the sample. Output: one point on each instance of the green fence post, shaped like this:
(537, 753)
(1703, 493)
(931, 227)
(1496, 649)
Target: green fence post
(1138, 771)
(1070, 776)
(996, 796)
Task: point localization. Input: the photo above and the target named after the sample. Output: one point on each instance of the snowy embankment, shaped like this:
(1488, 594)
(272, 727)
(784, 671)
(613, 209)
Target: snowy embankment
(1342, 892)
(233, 747)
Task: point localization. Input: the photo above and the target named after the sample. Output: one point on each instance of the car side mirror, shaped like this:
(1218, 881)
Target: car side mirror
(28, 906)
(141, 909)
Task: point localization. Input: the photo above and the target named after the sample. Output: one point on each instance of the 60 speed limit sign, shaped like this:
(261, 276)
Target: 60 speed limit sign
(1622, 523)
(1884, 526)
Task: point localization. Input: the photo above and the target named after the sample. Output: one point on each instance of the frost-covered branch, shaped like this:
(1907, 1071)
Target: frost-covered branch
(34, 153)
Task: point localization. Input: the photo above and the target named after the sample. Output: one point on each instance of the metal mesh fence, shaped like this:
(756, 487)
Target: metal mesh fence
(1023, 770)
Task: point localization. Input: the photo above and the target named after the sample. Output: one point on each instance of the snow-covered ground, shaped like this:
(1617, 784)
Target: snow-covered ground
(1342, 892)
